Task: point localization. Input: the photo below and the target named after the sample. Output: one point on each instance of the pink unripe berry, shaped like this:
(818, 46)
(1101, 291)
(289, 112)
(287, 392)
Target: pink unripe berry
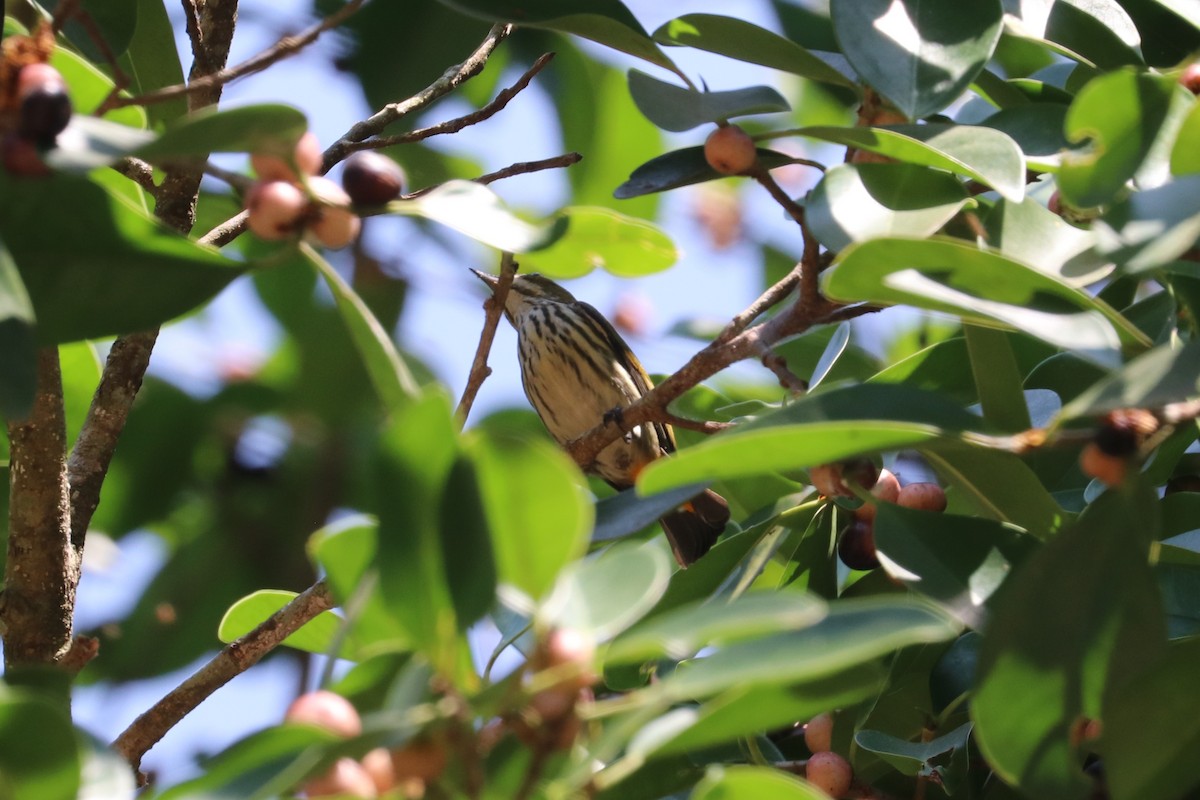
(346, 778)
(730, 150)
(830, 773)
(276, 208)
(334, 225)
(887, 489)
(36, 77)
(307, 155)
(326, 710)
(818, 733)
(922, 497)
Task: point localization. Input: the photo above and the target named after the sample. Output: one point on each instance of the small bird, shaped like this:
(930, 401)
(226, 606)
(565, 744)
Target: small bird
(577, 372)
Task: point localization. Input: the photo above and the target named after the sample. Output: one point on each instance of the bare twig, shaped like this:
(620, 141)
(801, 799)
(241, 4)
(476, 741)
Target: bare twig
(455, 125)
(450, 80)
(526, 167)
(235, 659)
(766, 300)
(227, 231)
(42, 569)
(707, 427)
(137, 171)
(285, 47)
(493, 308)
(787, 379)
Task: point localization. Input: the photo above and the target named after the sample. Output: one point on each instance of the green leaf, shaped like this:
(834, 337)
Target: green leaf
(536, 506)
(1167, 374)
(1185, 155)
(984, 287)
(985, 154)
(1119, 115)
(88, 87)
(80, 366)
(753, 783)
(1161, 762)
(681, 633)
(18, 349)
(607, 22)
(675, 108)
(1097, 33)
(625, 512)
(683, 168)
(607, 593)
(1032, 234)
(1061, 639)
(920, 54)
(152, 66)
(89, 143)
(104, 774)
(914, 758)
(855, 631)
(855, 202)
(957, 561)
(268, 128)
(467, 548)
(113, 21)
(599, 237)
(393, 381)
(476, 211)
(1037, 128)
(39, 758)
(736, 38)
(315, 636)
(1151, 228)
(997, 378)
(96, 266)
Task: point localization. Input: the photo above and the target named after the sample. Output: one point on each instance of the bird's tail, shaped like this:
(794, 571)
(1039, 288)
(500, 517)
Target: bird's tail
(694, 527)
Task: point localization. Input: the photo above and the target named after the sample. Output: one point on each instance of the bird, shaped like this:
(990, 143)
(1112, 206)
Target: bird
(577, 372)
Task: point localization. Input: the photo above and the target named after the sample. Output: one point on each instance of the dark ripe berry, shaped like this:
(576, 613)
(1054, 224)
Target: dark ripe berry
(21, 157)
(45, 112)
(372, 179)
(730, 150)
(1123, 431)
(862, 471)
(856, 546)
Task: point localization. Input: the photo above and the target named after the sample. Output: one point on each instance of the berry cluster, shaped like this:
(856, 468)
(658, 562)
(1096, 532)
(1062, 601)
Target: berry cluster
(283, 204)
(825, 769)
(549, 721)
(43, 112)
(380, 771)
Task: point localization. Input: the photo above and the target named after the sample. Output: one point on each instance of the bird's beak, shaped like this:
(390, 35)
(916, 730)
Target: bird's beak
(490, 280)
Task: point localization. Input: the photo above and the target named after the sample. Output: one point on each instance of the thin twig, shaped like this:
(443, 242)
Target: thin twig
(526, 167)
(227, 231)
(767, 299)
(285, 47)
(493, 308)
(137, 171)
(705, 426)
(787, 379)
(455, 125)
(450, 80)
(236, 658)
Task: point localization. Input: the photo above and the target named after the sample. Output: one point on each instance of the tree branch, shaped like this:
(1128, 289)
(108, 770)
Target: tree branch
(42, 570)
(493, 307)
(235, 659)
(526, 167)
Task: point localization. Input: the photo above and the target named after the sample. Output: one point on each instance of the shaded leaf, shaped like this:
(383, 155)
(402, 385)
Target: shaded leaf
(270, 128)
(39, 758)
(626, 512)
(675, 108)
(1151, 228)
(607, 593)
(1166, 374)
(18, 349)
(683, 168)
(753, 783)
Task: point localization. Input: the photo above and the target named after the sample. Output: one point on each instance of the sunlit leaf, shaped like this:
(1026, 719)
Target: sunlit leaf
(476, 211)
(315, 636)
(607, 593)
(605, 239)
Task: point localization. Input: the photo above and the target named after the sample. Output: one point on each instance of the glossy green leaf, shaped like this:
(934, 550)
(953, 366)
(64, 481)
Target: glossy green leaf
(957, 561)
(1118, 116)
(1157, 763)
(982, 286)
(1151, 228)
(607, 593)
(607, 22)
(1061, 639)
(1185, 155)
(18, 348)
(675, 108)
(88, 87)
(150, 65)
(1167, 374)
(476, 211)
(1037, 128)
(745, 711)
(604, 239)
(316, 636)
(625, 512)
(39, 758)
(941, 367)
(829, 357)
(536, 507)
(269, 128)
(467, 549)
(1032, 234)
(914, 758)
(856, 202)
(996, 484)
(112, 20)
(920, 54)
(985, 154)
(393, 381)
(1095, 33)
(744, 41)
(682, 168)
(855, 631)
(95, 266)
(681, 633)
(89, 143)
(753, 783)
(80, 366)
(997, 378)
